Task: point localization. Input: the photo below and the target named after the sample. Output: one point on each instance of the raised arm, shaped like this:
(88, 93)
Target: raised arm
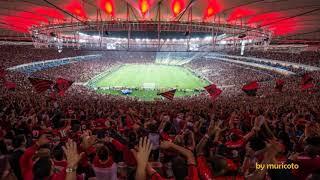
(181, 150)
(270, 152)
(73, 158)
(213, 130)
(142, 156)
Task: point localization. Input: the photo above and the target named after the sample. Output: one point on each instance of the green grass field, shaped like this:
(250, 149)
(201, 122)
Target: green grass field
(160, 76)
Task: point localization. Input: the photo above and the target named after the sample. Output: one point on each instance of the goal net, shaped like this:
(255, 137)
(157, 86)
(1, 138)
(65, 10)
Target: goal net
(149, 85)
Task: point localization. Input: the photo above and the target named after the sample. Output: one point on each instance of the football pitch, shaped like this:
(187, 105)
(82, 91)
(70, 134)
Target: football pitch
(146, 80)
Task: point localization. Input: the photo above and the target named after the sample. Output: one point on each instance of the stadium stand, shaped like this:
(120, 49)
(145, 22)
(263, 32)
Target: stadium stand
(159, 90)
(107, 128)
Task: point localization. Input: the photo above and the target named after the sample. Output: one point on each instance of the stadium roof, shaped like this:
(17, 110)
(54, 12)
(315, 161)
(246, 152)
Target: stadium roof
(298, 19)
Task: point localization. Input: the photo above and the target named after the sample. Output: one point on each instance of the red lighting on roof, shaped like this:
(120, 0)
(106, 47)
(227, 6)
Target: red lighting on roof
(15, 28)
(270, 21)
(49, 12)
(144, 6)
(30, 16)
(76, 8)
(284, 27)
(19, 24)
(177, 6)
(23, 21)
(239, 13)
(107, 6)
(263, 18)
(212, 9)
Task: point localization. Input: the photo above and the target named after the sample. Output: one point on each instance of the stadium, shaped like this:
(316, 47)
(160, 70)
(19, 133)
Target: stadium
(159, 89)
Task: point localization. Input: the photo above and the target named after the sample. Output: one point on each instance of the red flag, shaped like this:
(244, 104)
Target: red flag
(168, 94)
(62, 85)
(10, 85)
(306, 82)
(251, 88)
(40, 85)
(279, 84)
(308, 86)
(213, 91)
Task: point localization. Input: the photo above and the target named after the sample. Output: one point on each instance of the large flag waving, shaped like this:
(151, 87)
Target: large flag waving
(251, 88)
(10, 85)
(307, 82)
(62, 85)
(40, 85)
(168, 94)
(279, 85)
(213, 91)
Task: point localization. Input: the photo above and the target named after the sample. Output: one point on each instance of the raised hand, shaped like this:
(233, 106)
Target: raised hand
(214, 127)
(72, 155)
(143, 151)
(142, 156)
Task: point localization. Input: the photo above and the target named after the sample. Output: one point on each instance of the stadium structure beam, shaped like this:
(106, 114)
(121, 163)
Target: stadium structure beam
(159, 20)
(90, 3)
(133, 13)
(129, 26)
(185, 9)
(188, 28)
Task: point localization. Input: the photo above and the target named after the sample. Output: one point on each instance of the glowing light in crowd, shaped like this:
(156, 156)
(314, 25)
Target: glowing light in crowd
(76, 8)
(107, 6)
(239, 13)
(144, 6)
(212, 9)
(177, 6)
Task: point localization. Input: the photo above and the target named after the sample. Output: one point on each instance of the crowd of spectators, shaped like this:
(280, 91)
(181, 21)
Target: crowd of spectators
(305, 57)
(86, 70)
(16, 55)
(227, 74)
(85, 135)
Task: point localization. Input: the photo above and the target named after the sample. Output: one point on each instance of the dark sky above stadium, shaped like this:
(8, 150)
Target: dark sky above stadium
(283, 17)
